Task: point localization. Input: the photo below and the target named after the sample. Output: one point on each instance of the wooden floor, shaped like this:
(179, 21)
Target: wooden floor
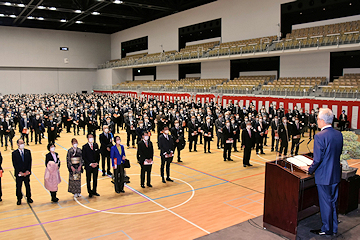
(208, 195)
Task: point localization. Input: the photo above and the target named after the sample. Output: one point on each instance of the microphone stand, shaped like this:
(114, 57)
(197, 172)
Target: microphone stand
(307, 145)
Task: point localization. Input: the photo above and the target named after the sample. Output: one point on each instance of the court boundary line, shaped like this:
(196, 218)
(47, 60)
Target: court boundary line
(108, 234)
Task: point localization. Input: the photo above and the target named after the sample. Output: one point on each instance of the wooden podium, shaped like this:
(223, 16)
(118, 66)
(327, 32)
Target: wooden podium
(290, 196)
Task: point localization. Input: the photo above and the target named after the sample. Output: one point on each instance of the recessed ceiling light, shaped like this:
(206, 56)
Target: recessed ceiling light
(324, 9)
(40, 18)
(78, 22)
(78, 11)
(301, 13)
(63, 20)
(350, 4)
(41, 7)
(118, 2)
(30, 17)
(12, 16)
(52, 8)
(8, 4)
(95, 13)
(21, 5)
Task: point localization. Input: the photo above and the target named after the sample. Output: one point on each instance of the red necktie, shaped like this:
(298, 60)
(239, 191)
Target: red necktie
(91, 147)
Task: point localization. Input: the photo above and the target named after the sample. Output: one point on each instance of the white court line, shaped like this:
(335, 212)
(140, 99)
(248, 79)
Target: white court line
(170, 211)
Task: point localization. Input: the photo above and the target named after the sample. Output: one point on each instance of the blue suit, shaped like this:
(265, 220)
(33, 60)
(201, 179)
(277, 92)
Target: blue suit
(114, 153)
(328, 146)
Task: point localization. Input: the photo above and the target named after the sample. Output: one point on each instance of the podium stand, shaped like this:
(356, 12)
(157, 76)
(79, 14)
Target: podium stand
(290, 196)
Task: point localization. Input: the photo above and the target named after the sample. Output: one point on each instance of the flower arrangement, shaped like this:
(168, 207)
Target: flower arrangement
(351, 149)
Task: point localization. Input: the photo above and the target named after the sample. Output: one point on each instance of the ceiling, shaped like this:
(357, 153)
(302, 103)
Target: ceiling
(99, 16)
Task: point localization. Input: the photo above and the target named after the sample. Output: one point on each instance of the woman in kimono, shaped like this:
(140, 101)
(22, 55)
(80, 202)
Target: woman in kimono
(74, 163)
(52, 175)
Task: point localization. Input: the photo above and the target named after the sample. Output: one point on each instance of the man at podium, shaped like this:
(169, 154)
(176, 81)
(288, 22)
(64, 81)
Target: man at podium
(328, 144)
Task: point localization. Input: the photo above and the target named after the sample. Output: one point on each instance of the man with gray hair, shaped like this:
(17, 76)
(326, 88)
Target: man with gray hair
(328, 144)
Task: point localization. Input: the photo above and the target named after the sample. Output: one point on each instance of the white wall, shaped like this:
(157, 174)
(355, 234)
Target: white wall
(241, 19)
(327, 22)
(215, 69)
(104, 77)
(28, 47)
(305, 65)
(167, 72)
(33, 80)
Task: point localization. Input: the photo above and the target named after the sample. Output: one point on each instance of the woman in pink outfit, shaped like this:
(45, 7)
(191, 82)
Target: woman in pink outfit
(52, 174)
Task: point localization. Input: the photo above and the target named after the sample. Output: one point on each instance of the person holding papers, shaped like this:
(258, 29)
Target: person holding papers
(328, 145)
(228, 136)
(166, 145)
(145, 155)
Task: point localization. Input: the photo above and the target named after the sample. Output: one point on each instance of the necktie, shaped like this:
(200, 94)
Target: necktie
(22, 156)
(146, 143)
(297, 125)
(91, 147)
(287, 137)
(249, 133)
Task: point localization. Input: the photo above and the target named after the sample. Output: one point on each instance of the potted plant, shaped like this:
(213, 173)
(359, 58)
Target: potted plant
(351, 150)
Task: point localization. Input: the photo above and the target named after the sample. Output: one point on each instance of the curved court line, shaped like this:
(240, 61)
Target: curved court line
(138, 213)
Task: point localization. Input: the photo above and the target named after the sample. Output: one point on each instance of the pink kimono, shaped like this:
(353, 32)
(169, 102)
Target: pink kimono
(52, 176)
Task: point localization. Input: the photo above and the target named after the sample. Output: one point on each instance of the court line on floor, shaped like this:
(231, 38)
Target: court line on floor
(111, 234)
(36, 216)
(247, 176)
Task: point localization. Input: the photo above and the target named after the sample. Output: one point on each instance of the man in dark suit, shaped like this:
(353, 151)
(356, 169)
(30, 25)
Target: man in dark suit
(275, 134)
(296, 130)
(247, 140)
(342, 121)
(0, 177)
(193, 133)
(105, 145)
(24, 128)
(130, 123)
(52, 129)
(22, 161)
(166, 145)
(312, 124)
(284, 136)
(228, 138)
(177, 132)
(91, 156)
(328, 144)
(145, 155)
(260, 129)
(208, 130)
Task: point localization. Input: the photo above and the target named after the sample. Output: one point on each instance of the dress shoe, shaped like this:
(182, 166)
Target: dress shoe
(109, 173)
(272, 150)
(96, 194)
(18, 202)
(142, 186)
(244, 165)
(90, 195)
(262, 153)
(319, 232)
(180, 161)
(0, 200)
(122, 191)
(55, 200)
(236, 151)
(189, 150)
(195, 150)
(117, 191)
(218, 147)
(29, 200)
(224, 160)
(103, 174)
(250, 165)
(163, 180)
(204, 151)
(169, 180)
(149, 185)
(230, 159)
(209, 152)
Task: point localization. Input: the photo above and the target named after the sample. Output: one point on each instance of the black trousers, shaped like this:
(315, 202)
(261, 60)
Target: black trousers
(207, 144)
(23, 136)
(177, 147)
(2, 138)
(94, 173)
(247, 155)
(227, 151)
(51, 137)
(200, 137)
(133, 137)
(313, 129)
(219, 140)
(265, 139)
(7, 137)
(167, 161)
(235, 144)
(53, 195)
(0, 189)
(119, 178)
(259, 144)
(19, 181)
(37, 136)
(274, 143)
(145, 169)
(105, 158)
(294, 144)
(284, 147)
(192, 139)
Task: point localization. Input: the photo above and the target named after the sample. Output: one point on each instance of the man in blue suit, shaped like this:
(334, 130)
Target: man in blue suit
(328, 146)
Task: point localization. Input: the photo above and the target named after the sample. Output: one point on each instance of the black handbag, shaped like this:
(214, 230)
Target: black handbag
(126, 163)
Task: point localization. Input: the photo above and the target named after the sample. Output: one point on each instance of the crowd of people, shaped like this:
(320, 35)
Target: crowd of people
(177, 123)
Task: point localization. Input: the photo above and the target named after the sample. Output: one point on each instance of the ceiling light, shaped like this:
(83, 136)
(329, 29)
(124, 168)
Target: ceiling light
(78, 11)
(118, 2)
(30, 17)
(8, 4)
(21, 5)
(12, 16)
(40, 18)
(63, 20)
(2, 15)
(78, 22)
(52, 8)
(95, 13)
(41, 7)
(350, 4)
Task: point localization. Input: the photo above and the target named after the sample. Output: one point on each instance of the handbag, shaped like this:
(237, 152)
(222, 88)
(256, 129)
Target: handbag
(127, 163)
